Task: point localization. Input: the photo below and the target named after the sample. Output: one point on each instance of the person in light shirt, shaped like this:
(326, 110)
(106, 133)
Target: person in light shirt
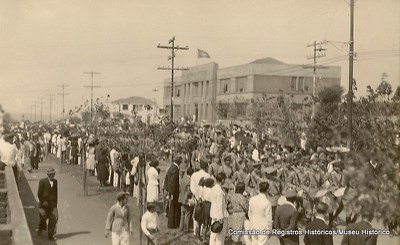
(149, 224)
(260, 214)
(152, 182)
(197, 191)
(218, 212)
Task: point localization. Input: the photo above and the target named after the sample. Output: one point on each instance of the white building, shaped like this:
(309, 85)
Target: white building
(136, 107)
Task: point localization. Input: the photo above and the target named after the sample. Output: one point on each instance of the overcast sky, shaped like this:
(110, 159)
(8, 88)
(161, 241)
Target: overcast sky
(47, 43)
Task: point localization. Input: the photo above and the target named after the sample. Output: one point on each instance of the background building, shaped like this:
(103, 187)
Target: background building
(201, 87)
(194, 93)
(136, 107)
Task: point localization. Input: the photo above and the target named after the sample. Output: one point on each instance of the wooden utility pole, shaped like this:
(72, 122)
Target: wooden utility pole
(41, 108)
(350, 93)
(50, 100)
(91, 73)
(155, 103)
(172, 69)
(316, 49)
(63, 96)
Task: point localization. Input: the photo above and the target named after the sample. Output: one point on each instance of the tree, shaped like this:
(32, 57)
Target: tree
(328, 118)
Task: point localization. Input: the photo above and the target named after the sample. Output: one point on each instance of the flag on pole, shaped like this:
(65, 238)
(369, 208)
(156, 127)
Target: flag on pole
(202, 54)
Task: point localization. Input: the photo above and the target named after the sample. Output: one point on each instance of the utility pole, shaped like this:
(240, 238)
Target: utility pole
(50, 100)
(41, 108)
(172, 69)
(350, 93)
(63, 95)
(317, 48)
(155, 103)
(91, 73)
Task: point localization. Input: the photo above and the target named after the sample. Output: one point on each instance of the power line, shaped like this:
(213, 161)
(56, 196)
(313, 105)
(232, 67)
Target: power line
(91, 73)
(172, 69)
(63, 95)
(316, 55)
(50, 100)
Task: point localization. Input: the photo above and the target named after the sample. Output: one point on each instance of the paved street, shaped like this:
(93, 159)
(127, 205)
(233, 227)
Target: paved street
(81, 219)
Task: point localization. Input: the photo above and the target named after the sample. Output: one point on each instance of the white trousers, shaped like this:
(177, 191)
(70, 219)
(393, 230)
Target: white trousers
(259, 239)
(120, 238)
(219, 238)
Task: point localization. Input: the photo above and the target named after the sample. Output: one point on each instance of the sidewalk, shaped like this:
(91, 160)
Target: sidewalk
(81, 219)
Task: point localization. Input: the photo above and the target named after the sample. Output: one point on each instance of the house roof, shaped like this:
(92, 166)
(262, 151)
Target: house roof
(135, 100)
(267, 60)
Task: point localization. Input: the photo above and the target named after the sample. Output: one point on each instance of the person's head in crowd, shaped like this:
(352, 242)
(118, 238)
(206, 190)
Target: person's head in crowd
(263, 187)
(220, 178)
(189, 171)
(151, 207)
(240, 187)
(178, 159)
(208, 182)
(203, 165)
(367, 212)
(321, 208)
(154, 164)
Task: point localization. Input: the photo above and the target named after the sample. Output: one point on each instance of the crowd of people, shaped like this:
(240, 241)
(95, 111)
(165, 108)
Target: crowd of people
(231, 180)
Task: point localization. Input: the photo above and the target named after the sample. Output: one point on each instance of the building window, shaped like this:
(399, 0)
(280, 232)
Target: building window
(240, 84)
(293, 84)
(300, 84)
(207, 84)
(177, 92)
(125, 107)
(206, 112)
(224, 86)
(195, 89)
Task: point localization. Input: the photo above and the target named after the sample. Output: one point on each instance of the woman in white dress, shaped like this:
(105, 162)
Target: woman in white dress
(91, 161)
(152, 182)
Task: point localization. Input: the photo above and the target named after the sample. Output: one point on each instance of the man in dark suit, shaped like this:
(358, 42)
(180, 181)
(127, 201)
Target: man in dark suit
(320, 224)
(172, 187)
(367, 215)
(47, 194)
(286, 218)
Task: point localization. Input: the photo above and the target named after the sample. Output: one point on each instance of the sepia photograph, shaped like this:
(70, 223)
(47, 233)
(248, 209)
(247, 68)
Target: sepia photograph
(144, 122)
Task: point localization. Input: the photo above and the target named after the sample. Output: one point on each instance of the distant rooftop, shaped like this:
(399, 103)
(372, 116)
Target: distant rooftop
(135, 100)
(267, 60)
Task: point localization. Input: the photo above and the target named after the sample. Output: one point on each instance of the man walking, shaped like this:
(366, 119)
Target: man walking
(48, 197)
(119, 221)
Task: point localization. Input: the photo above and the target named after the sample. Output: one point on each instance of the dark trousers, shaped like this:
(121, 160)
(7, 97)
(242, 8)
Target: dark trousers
(50, 214)
(186, 215)
(174, 213)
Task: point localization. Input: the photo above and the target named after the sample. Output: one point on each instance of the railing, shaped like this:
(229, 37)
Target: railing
(13, 226)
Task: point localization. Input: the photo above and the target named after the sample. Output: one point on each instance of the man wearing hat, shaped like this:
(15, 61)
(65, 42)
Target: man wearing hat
(48, 197)
(286, 218)
(275, 187)
(172, 187)
(119, 221)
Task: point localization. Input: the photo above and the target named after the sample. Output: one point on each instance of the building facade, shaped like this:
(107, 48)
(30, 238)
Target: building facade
(194, 93)
(241, 84)
(136, 107)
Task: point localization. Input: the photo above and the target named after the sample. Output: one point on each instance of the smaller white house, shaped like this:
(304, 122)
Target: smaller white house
(136, 107)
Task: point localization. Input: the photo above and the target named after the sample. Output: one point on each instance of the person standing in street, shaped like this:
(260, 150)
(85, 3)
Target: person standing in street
(119, 221)
(218, 212)
(172, 187)
(319, 223)
(286, 219)
(260, 214)
(367, 214)
(48, 198)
